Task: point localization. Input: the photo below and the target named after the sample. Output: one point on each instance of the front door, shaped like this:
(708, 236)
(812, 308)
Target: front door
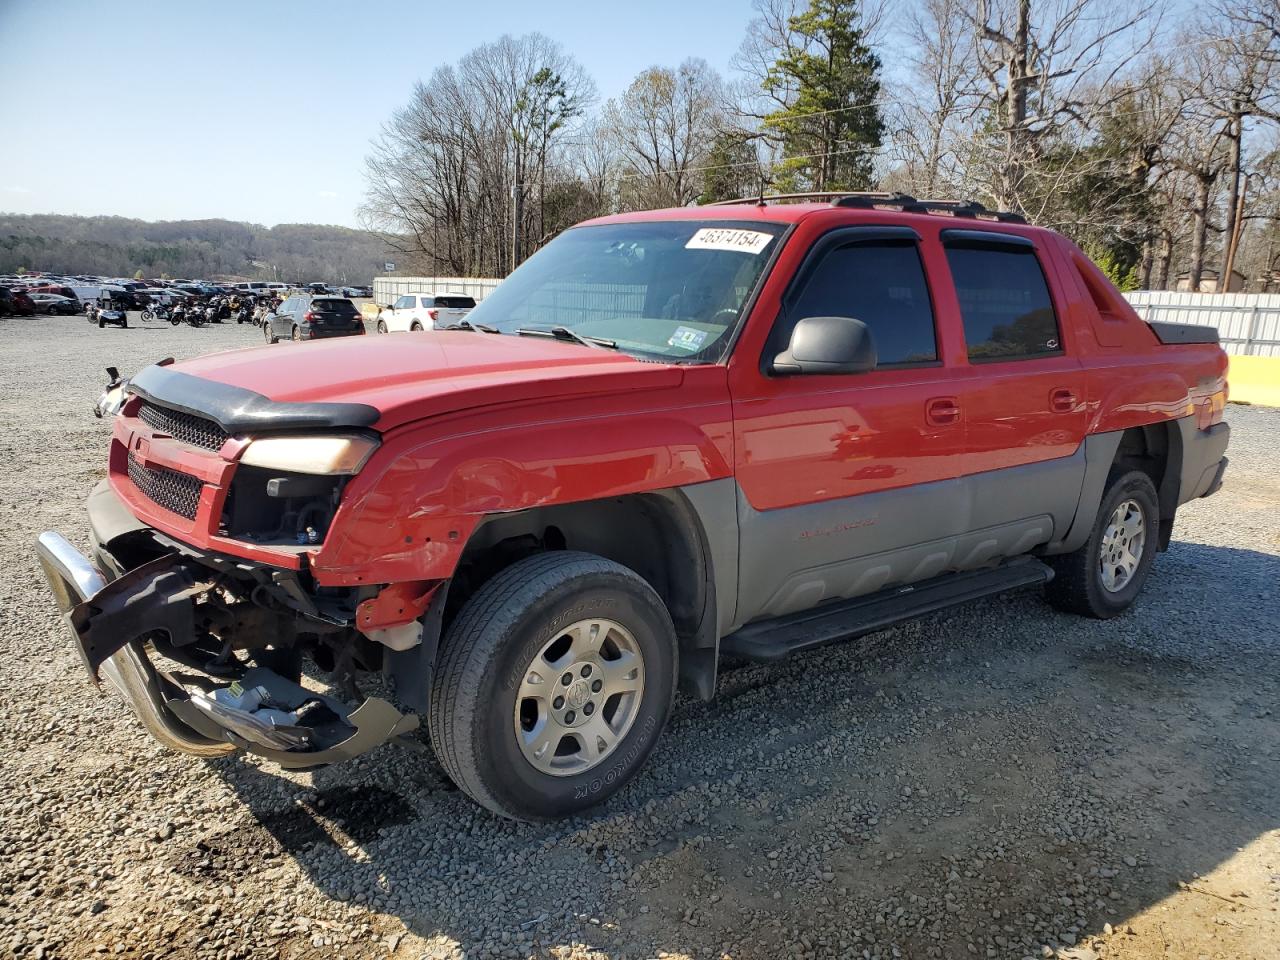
(848, 483)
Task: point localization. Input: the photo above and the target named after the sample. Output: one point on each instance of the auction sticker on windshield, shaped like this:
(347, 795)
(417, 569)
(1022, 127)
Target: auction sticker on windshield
(718, 238)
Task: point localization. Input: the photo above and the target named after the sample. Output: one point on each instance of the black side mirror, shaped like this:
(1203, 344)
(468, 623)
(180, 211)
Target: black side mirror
(827, 345)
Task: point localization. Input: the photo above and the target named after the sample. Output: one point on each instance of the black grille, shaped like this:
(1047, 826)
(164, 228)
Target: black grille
(186, 427)
(177, 492)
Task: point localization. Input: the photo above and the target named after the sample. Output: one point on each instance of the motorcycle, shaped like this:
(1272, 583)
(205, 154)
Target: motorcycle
(155, 311)
(244, 314)
(188, 315)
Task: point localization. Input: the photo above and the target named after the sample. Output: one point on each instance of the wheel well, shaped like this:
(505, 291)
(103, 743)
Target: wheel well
(1156, 450)
(657, 535)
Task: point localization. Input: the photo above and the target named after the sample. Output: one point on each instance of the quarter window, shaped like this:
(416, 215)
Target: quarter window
(1004, 302)
(881, 283)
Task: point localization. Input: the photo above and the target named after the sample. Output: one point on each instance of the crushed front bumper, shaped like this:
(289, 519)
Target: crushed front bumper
(109, 622)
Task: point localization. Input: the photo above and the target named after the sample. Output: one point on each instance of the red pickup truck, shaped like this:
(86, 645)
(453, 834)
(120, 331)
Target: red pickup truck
(669, 436)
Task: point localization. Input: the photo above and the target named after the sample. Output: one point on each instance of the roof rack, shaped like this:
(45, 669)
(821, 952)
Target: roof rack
(874, 200)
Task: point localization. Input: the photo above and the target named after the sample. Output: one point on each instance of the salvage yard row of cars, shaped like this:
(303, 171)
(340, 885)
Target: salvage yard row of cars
(29, 295)
(667, 438)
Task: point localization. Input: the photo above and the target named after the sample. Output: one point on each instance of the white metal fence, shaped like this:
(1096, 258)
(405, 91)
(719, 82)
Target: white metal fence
(386, 289)
(1248, 323)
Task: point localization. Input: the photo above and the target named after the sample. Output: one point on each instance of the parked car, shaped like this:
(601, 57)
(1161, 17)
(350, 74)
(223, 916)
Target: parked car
(359, 293)
(424, 311)
(52, 304)
(254, 288)
(669, 437)
(17, 303)
(306, 317)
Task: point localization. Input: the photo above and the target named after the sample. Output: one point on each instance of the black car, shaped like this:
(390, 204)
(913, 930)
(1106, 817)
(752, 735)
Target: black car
(307, 317)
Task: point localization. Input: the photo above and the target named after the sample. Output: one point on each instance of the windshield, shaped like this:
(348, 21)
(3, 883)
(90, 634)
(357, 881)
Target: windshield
(672, 288)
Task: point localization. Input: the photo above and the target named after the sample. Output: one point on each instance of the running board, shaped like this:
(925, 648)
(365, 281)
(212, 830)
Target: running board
(781, 636)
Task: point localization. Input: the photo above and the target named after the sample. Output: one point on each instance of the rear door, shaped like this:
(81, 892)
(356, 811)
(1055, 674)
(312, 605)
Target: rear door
(847, 481)
(1022, 393)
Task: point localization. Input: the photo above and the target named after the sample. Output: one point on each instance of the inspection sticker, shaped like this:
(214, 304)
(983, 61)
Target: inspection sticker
(687, 338)
(717, 238)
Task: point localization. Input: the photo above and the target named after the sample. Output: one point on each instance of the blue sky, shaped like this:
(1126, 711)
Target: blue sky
(263, 110)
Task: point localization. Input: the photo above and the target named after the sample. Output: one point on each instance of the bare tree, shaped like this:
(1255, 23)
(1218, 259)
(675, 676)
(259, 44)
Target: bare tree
(1042, 64)
(457, 177)
(928, 112)
(663, 128)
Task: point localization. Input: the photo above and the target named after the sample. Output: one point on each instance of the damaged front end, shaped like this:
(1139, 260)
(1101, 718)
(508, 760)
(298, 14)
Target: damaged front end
(209, 657)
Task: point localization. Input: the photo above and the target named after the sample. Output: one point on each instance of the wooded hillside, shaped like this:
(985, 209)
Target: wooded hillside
(206, 249)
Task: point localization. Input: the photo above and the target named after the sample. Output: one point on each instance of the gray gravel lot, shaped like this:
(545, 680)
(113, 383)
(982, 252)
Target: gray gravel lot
(996, 781)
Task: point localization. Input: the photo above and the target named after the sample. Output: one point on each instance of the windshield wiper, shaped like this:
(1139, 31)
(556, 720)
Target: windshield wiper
(564, 333)
(468, 325)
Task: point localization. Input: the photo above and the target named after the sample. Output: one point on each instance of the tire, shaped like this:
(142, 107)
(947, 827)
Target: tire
(513, 623)
(102, 325)
(297, 334)
(124, 323)
(382, 326)
(266, 330)
(415, 327)
(1080, 583)
(147, 315)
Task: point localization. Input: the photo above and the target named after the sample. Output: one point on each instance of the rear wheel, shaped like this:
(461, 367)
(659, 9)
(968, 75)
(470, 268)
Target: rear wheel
(553, 685)
(1105, 576)
(266, 332)
(102, 325)
(297, 334)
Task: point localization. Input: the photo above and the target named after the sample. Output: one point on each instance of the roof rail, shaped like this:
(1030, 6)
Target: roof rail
(873, 200)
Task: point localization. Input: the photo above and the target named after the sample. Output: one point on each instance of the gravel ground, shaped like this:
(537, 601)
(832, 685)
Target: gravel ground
(996, 781)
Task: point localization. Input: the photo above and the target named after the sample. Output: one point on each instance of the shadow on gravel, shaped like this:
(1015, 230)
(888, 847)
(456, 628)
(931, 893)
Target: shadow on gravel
(984, 782)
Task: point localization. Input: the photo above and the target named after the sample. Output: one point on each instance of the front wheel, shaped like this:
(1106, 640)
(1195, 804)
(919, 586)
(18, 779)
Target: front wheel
(553, 685)
(147, 315)
(1102, 578)
(382, 326)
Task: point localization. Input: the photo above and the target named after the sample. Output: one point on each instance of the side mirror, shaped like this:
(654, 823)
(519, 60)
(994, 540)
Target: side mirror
(827, 345)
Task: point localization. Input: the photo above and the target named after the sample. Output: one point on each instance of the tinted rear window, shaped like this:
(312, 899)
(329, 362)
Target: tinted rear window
(333, 306)
(455, 303)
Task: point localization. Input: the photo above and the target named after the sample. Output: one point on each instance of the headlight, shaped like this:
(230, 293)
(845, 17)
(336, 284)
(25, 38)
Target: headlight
(323, 455)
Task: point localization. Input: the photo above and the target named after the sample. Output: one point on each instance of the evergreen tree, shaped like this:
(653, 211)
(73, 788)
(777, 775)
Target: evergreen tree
(829, 78)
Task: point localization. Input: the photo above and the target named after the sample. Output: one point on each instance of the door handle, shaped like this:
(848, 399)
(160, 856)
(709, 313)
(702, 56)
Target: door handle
(1062, 400)
(941, 411)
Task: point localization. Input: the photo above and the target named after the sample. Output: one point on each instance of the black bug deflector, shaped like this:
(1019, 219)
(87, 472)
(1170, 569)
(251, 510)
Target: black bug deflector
(283, 722)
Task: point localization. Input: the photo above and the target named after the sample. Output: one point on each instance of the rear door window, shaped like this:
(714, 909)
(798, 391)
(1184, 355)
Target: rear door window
(1004, 299)
(455, 303)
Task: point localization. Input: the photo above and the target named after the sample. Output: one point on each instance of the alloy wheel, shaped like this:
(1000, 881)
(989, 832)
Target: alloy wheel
(1123, 541)
(579, 697)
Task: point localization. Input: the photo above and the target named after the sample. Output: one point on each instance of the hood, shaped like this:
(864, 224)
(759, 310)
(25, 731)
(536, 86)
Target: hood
(412, 376)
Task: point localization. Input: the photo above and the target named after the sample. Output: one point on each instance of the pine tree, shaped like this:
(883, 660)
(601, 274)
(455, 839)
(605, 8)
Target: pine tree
(829, 78)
